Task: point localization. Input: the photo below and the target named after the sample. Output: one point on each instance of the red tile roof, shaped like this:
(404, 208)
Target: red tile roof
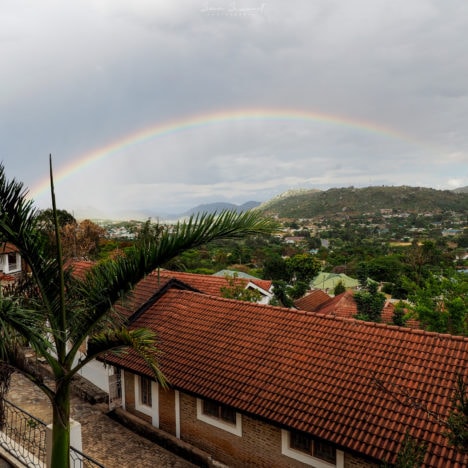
(342, 305)
(264, 284)
(207, 284)
(7, 247)
(346, 381)
(345, 306)
(80, 267)
(210, 284)
(312, 301)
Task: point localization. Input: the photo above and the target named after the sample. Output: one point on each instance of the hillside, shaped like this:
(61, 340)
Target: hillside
(354, 201)
(220, 206)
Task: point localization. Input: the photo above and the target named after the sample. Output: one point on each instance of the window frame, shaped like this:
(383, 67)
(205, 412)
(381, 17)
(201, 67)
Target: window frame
(152, 410)
(225, 424)
(303, 456)
(146, 394)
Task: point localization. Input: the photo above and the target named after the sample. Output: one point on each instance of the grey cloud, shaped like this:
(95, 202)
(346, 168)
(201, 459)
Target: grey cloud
(79, 76)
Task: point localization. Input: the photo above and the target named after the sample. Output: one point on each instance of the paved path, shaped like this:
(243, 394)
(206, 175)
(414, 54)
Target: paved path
(105, 440)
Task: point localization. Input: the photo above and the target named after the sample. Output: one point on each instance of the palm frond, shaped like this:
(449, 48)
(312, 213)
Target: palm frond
(108, 281)
(118, 341)
(16, 321)
(18, 225)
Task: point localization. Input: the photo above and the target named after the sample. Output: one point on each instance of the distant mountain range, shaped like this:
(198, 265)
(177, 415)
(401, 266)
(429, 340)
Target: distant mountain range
(353, 201)
(220, 206)
(338, 201)
(307, 203)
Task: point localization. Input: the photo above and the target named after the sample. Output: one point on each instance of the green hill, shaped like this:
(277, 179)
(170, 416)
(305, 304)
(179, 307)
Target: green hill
(355, 201)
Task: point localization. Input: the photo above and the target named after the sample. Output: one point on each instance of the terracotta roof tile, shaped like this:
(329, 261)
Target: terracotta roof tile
(7, 247)
(79, 268)
(312, 301)
(210, 284)
(347, 381)
(345, 306)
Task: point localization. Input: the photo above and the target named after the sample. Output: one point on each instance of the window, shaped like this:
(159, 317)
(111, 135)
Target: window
(13, 265)
(309, 450)
(317, 448)
(220, 416)
(216, 410)
(147, 398)
(145, 391)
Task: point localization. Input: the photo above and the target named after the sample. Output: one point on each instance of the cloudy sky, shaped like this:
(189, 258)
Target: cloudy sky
(156, 106)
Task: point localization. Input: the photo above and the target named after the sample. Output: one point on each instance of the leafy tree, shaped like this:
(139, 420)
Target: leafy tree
(275, 268)
(303, 267)
(370, 303)
(339, 288)
(46, 219)
(236, 289)
(298, 289)
(148, 231)
(398, 317)
(441, 303)
(64, 311)
(463, 239)
(280, 294)
(81, 240)
(362, 273)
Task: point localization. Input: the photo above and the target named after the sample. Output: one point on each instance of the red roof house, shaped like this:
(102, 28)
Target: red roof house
(257, 385)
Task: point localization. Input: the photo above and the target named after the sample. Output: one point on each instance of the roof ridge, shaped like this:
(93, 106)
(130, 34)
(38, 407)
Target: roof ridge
(413, 331)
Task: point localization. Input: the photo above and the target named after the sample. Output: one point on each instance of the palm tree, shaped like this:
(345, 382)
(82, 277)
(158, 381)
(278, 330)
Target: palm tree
(57, 314)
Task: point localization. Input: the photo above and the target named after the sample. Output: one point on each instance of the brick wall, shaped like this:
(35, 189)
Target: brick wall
(260, 444)
(167, 410)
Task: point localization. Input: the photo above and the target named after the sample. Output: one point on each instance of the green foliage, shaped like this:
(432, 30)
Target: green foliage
(398, 317)
(339, 288)
(298, 289)
(441, 303)
(236, 289)
(411, 454)
(275, 268)
(362, 273)
(457, 422)
(148, 232)
(462, 239)
(370, 303)
(45, 219)
(281, 296)
(303, 267)
(307, 204)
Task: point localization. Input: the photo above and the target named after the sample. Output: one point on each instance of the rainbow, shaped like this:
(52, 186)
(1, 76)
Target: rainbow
(214, 118)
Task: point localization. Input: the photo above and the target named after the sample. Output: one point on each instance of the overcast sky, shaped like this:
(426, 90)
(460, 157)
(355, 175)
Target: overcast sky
(259, 97)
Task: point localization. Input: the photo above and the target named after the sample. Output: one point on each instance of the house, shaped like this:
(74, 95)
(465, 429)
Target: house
(10, 259)
(210, 284)
(11, 266)
(344, 305)
(150, 286)
(312, 300)
(329, 281)
(258, 385)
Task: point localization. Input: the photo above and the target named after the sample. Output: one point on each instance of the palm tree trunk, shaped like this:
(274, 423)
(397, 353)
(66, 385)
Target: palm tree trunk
(61, 426)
